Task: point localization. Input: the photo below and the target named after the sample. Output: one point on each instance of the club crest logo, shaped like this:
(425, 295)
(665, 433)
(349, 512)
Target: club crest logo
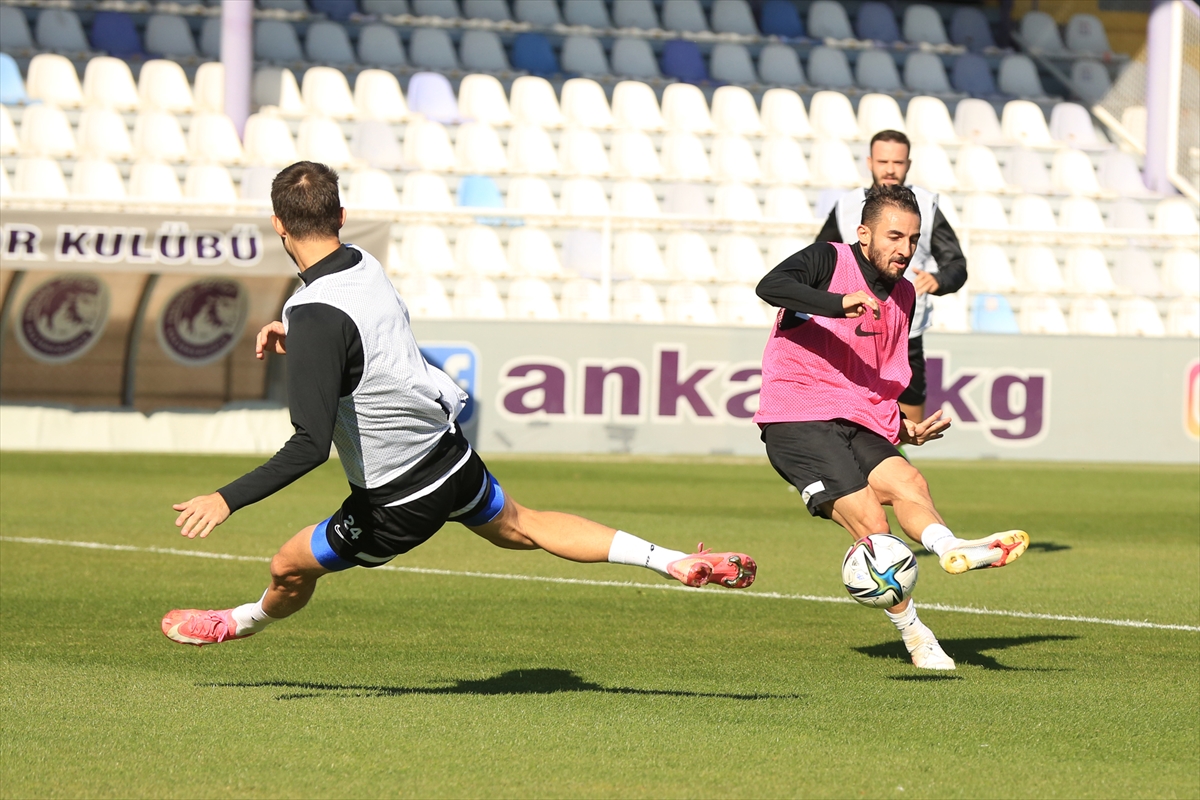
(63, 318)
(203, 321)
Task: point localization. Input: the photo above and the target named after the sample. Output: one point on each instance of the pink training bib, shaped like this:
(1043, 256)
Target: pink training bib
(851, 369)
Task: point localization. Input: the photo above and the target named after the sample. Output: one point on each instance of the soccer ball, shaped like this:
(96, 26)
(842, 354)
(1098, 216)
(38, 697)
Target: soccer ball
(879, 571)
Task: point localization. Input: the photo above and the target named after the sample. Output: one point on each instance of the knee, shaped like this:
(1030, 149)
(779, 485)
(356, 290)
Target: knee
(286, 573)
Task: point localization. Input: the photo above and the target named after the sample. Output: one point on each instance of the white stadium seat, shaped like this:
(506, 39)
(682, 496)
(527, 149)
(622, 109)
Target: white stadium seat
(39, 176)
(832, 116)
(739, 305)
(783, 114)
(636, 255)
(427, 146)
(633, 156)
(832, 164)
(983, 210)
(736, 201)
(1071, 173)
(583, 197)
(634, 301)
(975, 121)
(374, 142)
(481, 98)
(52, 79)
(96, 179)
(45, 131)
(531, 298)
(781, 247)
(476, 297)
(163, 86)
(633, 198)
(1031, 212)
(1024, 123)
(1085, 271)
(585, 105)
(978, 171)
(268, 140)
(425, 297)
(208, 89)
(478, 252)
(1091, 316)
(783, 161)
(1138, 316)
(1174, 215)
(786, 204)
(10, 143)
(931, 168)
(928, 122)
(151, 180)
(372, 189)
(689, 258)
(1181, 272)
(1080, 214)
(1183, 318)
(530, 195)
(108, 82)
(733, 159)
(990, 270)
(326, 92)
(533, 102)
(685, 109)
(949, 313)
(102, 134)
(377, 95)
(426, 191)
(1037, 270)
(739, 260)
(530, 151)
(583, 300)
(635, 107)
(689, 304)
(879, 112)
(580, 152)
(531, 253)
(734, 112)
(1041, 314)
(209, 182)
(477, 149)
(425, 251)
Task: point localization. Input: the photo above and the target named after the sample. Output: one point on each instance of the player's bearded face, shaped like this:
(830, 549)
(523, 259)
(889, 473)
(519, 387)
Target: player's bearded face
(893, 242)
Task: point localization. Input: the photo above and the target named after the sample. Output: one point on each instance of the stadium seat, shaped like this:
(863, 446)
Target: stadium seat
(46, 131)
(1071, 173)
(970, 74)
(150, 180)
(1080, 214)
(477, 191)
(827, 20)
(59, 30)
(969, 28)
(924, 72)
(736, 201)
(97, 179)
(684, 15)
(584, 55)
(685, 110)
(276, 86)
(1085, 271)
(1023, 122)
(208, 88)
(739, 260)
(477, 148)
(1091, 316)
(1133, 120)
(1137, 316)
(733, 16)
(377, 96)
(976, 121)
(1026, 170)
(291, 6)
(1134, 272)
(1032, 212)
(632, 155)
(1176, 216)
(635, 301)
(990, 270)
(635, 14)
(276, 41)
(632, 198)
(326, 92)
(170, 35)
(978, 171)
(783, 161)
(689, 304)
(1183, 318)
(779, 64)
(425, 251)
(1181, 272)
(950, 212)
(781, 247)
(1090, 79)
(828, 67)
(327, 42)
(163, 86)
(209, 182)
(832, 116)
(832, 164)
(923, 24)
(928, 122)
(682, 59)
(379, 45)
(991, 313)
(532, 52)
(255, 186)
(476, 297)
(1017, 75)
(583, 300)
(780, 18)
(268, 140)
(592, 13)
(372, 189)
(101, 134)
(39, 176)
(374, 142)
(531, 253)
(10, 144)
(949, 314)
(585, 105)
(1085, 34)
(931, 169)
(1119, 173)
(876, 22)
(984, 211)
(635, 107)
(430, 95)
(537, 12)
(878, 112)
(1039, 33)
(739, 305)
(212, 137)
(12, 88)
(428, 192)
(1128, 214)
(210, 38)
(425, 297)
(427, 147)
(783, 114)
(338, 10)
(580, 152)
(689, 257)
(530, 151)
(1037, 270)
(321, 139)
(583, 197)
(786, 204)
(107, 82)
(486, 9)
(481, 98)
(684, 158)
(636, 255)
(533, 102)
(685, 200)
(731, 63)
(876, 70)
(478, 252)
(1070, 124)
(446, 9)
(431, 48)
(633, 58)
(735, 112)
(531, 298)
(14, 30)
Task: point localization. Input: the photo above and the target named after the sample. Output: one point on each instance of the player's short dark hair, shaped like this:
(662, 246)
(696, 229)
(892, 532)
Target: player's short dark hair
(889, 136)
(305, 198)
(888, 194)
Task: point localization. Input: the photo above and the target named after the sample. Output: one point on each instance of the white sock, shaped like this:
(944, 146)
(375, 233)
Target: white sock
(912, 630)
(938, 539)
(629, 549)
(250, 617)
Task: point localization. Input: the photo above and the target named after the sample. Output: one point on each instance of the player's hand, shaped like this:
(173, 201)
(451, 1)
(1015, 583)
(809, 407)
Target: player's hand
(918, 433)
(924, 282)
(856, 304)
(270, 339)
(198, 516)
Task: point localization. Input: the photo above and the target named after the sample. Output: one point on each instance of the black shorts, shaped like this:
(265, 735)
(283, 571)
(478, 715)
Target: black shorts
(914, 395)
(825, 460)
(363, 534)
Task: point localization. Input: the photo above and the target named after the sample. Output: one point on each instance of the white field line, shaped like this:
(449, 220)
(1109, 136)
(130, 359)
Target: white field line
(990, 612)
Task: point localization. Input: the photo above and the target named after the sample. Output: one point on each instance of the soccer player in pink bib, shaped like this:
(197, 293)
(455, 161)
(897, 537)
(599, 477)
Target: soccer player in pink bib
(833, 370)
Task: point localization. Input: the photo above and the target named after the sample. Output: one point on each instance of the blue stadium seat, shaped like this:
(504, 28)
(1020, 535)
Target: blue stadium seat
(480, 191)
(682, 59)
(114, 33)
(532, 52)
(972, 75)
(876, 22)
(339, 10)
(780, 18)
(430, 94)
(12, 88)
(991, 313)
(969, 28)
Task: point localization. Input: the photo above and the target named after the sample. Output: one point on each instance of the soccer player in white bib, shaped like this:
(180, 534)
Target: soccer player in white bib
(357, 378)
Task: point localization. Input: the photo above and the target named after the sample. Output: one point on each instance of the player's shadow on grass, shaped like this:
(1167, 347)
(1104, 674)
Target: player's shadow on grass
(968, 651)
(517, 681)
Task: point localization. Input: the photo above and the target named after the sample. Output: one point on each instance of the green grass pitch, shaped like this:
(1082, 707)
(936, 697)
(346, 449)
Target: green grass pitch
(401, 684)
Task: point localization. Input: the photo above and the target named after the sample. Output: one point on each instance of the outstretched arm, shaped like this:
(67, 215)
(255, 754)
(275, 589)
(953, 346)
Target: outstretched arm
(801, 283)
